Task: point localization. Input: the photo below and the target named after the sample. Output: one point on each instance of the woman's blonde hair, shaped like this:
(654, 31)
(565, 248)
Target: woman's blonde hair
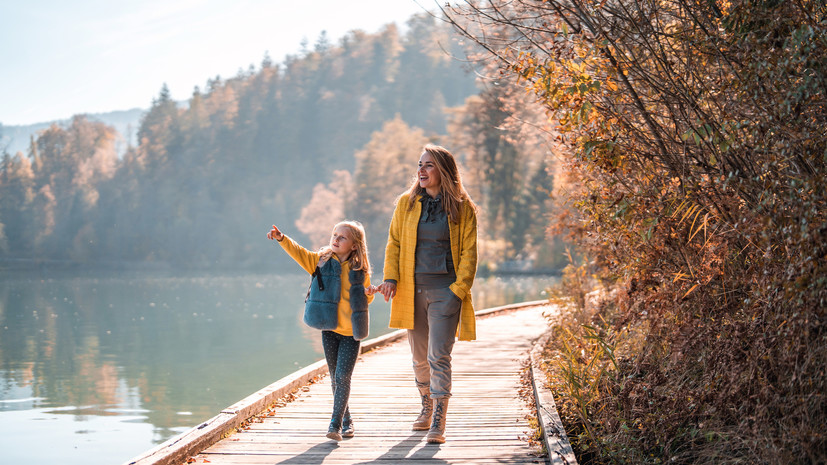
(453, 192)
(359, 259)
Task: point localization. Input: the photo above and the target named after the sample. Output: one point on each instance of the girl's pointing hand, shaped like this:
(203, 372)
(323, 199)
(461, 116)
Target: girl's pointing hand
(275, 234)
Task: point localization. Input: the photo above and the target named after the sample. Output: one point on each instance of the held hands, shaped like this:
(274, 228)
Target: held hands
(370, 290)
(387, 289)
(275, 233)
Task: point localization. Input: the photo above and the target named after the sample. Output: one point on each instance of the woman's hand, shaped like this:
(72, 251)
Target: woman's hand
(275, 234)
(388, 289)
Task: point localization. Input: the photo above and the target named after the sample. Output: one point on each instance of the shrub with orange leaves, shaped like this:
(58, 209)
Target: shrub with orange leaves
(699, 164)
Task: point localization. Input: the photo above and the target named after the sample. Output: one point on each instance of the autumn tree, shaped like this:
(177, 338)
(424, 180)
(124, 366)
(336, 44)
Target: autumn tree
(69, 163)
(326, 208)
(17, 192)
(507, 170)
(385, 168)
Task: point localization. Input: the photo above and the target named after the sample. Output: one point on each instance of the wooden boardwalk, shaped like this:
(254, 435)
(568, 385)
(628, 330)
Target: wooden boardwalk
(487, 421)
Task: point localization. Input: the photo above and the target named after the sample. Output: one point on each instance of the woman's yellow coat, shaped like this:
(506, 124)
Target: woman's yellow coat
(400, 255)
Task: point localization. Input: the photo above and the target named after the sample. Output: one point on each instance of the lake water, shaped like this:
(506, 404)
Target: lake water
(97, 368)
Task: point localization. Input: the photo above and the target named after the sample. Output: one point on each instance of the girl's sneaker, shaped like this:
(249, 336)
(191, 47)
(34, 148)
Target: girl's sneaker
(334, 433)
(348, 430)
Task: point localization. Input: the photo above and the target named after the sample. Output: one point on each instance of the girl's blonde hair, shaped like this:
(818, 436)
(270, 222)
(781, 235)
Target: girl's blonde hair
(359, 259)
(453, 192)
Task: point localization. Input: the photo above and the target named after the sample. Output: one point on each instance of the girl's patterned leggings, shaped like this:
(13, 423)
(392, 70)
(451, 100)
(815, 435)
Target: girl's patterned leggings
(341, 353)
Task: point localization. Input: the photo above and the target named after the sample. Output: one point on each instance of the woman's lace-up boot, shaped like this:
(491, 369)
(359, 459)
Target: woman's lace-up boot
(436, 435)
(423, 421)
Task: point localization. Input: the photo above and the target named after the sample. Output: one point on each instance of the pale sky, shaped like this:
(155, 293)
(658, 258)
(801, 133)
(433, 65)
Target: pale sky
(59, 58)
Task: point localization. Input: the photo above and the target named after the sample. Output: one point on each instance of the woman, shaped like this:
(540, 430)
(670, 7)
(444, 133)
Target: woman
(430, 263)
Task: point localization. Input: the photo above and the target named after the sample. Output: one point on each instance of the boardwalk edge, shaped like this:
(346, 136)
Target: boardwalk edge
(176, 450)
(555, 439)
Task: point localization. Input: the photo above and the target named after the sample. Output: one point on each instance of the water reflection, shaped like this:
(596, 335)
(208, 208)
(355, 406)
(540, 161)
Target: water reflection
(110, 365)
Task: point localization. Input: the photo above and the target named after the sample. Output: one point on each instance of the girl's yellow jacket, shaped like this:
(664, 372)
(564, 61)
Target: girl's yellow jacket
(400, 255)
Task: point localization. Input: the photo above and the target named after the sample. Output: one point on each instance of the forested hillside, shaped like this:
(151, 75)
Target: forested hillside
(205, 182)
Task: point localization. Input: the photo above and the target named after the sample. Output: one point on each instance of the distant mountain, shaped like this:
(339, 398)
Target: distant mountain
(126, 122)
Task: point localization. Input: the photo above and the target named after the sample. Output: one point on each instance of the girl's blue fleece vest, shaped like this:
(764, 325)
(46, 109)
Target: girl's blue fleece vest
(322, 302)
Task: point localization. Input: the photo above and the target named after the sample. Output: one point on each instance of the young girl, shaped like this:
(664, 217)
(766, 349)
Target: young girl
(337, 303)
